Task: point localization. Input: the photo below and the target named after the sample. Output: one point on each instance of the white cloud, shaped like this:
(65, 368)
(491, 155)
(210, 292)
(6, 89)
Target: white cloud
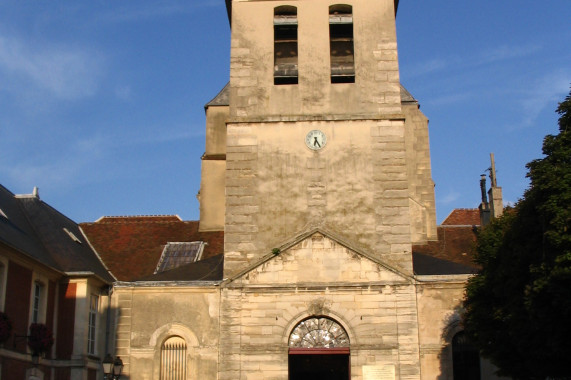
(548, 90)
(433, 65)
(156, 135)
(503, 53)
(64, 72)
(449, 99)
(449, 198)
(493, 55)
(56, 172)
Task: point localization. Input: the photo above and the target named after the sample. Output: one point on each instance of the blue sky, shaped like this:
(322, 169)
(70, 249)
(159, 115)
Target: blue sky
(101, 102)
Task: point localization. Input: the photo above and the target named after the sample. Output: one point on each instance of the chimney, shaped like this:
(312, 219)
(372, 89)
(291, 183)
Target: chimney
(495, 192)
(484, 206)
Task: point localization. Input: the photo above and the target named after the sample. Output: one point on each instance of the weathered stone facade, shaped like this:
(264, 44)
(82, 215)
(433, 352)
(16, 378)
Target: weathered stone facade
(318, 276)
(307, 233)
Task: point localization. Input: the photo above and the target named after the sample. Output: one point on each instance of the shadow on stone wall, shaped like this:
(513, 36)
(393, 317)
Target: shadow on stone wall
(453, 325)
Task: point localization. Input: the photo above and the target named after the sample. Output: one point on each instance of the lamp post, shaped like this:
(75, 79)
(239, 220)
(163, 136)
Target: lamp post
(112, 368)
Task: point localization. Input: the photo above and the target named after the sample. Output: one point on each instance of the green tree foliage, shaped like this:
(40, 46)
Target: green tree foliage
(518, 307)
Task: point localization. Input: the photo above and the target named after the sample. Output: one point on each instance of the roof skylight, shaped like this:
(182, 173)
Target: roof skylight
(180, 253)
(72, 235)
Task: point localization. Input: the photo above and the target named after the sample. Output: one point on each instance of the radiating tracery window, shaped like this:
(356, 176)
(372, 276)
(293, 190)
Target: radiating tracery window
(318, 332)
(173, 359)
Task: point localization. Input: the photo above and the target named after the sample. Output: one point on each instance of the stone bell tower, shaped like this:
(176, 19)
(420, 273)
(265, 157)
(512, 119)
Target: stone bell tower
(316, 132)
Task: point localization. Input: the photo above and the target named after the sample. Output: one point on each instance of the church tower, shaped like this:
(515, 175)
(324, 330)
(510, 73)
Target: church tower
(317, 169)
(316, 176)
(315, 131)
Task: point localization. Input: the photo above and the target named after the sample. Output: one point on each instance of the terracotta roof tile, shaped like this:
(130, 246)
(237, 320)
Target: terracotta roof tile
(131, 246)
(456, 244)
(463, 217)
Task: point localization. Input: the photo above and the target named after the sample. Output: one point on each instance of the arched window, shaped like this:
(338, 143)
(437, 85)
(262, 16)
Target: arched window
(319, 349)
(341, 44)
(465, 358)
(285, 45)
(318, 332)
(173, 359)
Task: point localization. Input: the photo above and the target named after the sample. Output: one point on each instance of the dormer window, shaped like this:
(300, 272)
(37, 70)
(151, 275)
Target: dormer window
(341, 44)
(285, 45)
(72, 235)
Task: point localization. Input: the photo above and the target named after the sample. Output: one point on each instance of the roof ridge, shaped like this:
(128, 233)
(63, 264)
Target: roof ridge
(141, 218)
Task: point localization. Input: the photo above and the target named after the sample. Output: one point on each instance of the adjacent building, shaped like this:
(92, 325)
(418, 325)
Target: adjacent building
(50, 275)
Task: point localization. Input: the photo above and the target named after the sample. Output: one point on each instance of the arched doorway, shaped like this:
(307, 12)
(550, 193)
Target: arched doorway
(319, 349)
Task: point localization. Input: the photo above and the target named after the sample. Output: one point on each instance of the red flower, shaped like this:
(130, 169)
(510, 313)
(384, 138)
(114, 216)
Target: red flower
(5, 327)
(40, 339)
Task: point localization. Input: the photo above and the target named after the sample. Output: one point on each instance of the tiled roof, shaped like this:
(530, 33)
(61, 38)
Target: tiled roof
(455, 244)
(210, 269)
(39, 231)
(429, 265)
(132, 246)
(463, 217)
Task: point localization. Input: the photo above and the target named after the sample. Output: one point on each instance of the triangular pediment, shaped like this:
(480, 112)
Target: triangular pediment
(318, 258)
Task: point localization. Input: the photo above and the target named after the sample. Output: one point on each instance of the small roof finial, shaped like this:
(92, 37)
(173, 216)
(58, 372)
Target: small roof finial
(493, 171)
(36, 192)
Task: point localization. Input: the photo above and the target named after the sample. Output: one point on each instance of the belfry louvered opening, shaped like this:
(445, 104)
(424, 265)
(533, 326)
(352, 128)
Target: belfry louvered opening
(341, 44)
(285, 45)
(173, 359)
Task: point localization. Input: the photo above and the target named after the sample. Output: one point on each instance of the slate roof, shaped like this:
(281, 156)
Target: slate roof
(38, 231)
(131, 246)
(222, 98)
(455, 245)
(405, 96)
(210, 269)
(429, 265)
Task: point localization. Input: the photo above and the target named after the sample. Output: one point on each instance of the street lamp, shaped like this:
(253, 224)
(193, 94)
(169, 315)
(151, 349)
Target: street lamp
(112, 368)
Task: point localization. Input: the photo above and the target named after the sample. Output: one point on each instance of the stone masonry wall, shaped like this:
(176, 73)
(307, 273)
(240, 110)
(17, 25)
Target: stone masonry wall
(356, 187)
(376, 307)
(148, 316)
(254, 96)
(420, 183)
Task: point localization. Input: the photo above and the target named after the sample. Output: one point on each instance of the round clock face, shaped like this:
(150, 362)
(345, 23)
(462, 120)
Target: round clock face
(315, 139)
